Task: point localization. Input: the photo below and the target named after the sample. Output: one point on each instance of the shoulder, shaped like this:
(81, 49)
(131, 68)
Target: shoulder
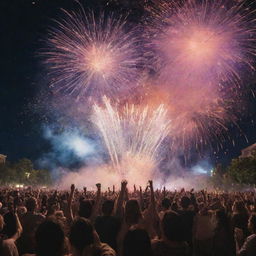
(249, 246)
(251, 239)
(9, 242)
(104, 250)
(10, 247)
(156, 243)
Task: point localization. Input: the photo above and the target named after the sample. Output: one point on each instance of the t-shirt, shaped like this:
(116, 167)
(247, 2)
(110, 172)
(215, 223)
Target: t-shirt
(30, 222)
(107, 228)
(204, 228)
(163, 248)
(187, 224)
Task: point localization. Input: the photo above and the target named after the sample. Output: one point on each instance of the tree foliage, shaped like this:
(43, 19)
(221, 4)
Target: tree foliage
(23, 172)
(243, 170)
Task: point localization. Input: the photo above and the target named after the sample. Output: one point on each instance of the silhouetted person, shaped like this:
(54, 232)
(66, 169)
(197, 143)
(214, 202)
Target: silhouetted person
(137, 243)
(108, 226)
(84, 240)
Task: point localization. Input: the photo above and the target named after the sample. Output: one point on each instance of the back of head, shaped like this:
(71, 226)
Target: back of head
(239, 207)
(137, 243)
(85, 209)
(107, 207)
(81, 234)
(132, 212)
(185, 202)
(166, 203)
(10, 227)
(172, 226)
(31, 204)
(222, 219)
(49, 239)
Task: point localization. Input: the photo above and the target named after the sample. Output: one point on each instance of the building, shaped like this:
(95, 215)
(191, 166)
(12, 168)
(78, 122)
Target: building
(2, 159)
(247, 152)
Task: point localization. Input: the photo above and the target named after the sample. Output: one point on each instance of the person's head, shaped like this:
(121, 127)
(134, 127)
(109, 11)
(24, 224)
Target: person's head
(10, 227)
(166, 203)
(81, 234)
(85, 209)
(203, 210)
(252, 223)
(31, 204)
(174, 207)
(50, 239)
(21, 210)
(221, 218)
(137, 243)
(185, 202)
(107, 207)
(172, 226)
(239, 207)
(132, 212)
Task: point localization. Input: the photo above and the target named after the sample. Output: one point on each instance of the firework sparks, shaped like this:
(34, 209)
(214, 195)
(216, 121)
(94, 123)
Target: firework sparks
(92, 56)
(200, 114)
(207, 40)
(132, 135)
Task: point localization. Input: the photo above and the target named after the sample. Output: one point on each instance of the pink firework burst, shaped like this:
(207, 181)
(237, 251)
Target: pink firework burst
(210, 41)
(91, 55)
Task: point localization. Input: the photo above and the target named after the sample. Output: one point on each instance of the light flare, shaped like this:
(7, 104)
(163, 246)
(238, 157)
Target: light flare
(208, 40)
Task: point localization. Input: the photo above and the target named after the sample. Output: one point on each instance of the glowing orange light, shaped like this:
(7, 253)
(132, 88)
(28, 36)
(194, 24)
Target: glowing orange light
(99, 60)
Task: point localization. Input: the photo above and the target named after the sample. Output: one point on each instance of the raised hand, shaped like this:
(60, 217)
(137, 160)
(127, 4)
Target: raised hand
(98, 185)
(124, 183)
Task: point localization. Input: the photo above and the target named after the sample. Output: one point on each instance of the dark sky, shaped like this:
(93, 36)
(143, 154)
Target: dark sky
(23, 23)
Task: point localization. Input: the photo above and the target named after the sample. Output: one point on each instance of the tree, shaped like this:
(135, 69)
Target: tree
(24, 168)
(23, 172)
(243, 170)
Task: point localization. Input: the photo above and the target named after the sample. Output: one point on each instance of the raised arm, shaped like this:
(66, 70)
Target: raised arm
(96, 207)
(153, 212)
(141, 199)
(120, 199)
(70, 198)
(19, 228)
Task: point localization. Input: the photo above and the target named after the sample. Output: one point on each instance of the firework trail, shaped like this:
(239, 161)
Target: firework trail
(92, 55)
(210, 41)
(132, 135)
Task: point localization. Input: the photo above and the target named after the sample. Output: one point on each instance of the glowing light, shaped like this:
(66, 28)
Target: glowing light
(208, 40)
(200, 114)
(132, 135)
(93, 56)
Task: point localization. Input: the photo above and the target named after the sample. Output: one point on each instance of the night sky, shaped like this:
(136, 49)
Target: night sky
(23, 25)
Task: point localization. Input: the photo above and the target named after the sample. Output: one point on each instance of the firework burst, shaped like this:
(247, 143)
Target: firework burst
(210, 41)
(200, 114)
(131, 134)
(93, 55)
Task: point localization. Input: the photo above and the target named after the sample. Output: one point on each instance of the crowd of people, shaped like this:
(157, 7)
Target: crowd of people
(137, 222)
